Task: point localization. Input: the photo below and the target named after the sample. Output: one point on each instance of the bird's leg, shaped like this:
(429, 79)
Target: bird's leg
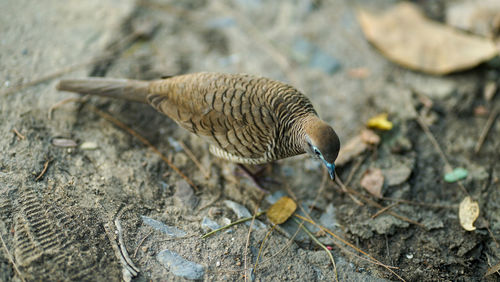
(253, 176)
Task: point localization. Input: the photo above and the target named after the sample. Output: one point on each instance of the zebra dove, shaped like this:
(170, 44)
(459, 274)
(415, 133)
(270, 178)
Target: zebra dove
(247, 119)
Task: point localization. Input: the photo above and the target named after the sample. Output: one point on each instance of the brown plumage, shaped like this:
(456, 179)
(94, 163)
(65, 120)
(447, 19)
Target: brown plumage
(247, 119)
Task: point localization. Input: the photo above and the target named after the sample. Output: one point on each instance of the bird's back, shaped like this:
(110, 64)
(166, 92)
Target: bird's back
(249, 119)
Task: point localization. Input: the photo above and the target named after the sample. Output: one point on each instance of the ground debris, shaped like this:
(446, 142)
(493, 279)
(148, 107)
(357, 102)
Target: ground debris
(160, 226)
(468, 213)
(179, 266)
(432, 47)
(373, 180)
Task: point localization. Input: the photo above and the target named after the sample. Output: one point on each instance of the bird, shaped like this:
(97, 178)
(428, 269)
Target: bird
(247, 119)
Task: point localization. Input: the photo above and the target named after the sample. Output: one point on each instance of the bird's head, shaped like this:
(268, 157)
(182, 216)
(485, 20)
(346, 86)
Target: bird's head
(323, 143)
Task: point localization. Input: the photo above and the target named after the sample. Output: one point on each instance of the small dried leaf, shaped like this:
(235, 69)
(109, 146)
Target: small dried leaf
(63, 142)
(405, 36)
(370, 137)
(380, 122)
(281, 211)
(372, 181)
(468, 213)
(353, 148)
(456, 175)
(489, 90)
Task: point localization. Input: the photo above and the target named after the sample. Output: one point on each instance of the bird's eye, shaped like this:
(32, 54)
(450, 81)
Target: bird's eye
(317, 152)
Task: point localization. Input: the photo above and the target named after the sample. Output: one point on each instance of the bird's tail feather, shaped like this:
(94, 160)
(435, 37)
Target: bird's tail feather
(128, 89)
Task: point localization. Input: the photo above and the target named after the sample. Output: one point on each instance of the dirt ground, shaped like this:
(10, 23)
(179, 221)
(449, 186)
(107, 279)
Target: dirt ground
(62, 225)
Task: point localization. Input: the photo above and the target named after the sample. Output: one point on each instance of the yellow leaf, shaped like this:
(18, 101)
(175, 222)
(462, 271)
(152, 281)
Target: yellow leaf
(380, 122)
(280, 211)
(468, 213)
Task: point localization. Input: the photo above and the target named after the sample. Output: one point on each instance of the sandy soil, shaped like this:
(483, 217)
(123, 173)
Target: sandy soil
(62, 226)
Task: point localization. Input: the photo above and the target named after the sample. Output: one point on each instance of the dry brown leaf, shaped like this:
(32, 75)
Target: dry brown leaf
(406, 37)
(353, 148)
(372, 181)
(370, 137)
(281, 211)
(468, 213)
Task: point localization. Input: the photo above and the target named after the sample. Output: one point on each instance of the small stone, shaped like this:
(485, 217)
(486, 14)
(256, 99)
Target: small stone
(88, 146)
(274, 197)
(242, 212)
(208, 225)
(456, 175)
(179, 266)
(328, 219)
(397, 175)
(177, 147)
(184, 195)
(160, 226)
(217, 263)
(63, 142)
(409, 256)
(489, 90)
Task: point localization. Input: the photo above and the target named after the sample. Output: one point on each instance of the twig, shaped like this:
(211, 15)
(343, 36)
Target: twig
(322, 246)
(19, 135)
(45, 166)
(231, 224)
(145, 142)
(381, 211)
(64, 102)
(345, 189)
(427, 131)
(123, 249)
(248, 272)
(194, 159)
(373, 260)
(414, 203)
(11, 259)
(354, 169)
(140, 243)
(128, 272)
(493, 269)
(485, 130)
(262, 246)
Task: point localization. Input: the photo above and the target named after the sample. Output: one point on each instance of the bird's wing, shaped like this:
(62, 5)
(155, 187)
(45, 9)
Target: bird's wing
(228, 110)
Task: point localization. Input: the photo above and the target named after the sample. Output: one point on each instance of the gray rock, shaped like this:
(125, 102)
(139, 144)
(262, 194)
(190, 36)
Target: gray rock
(179, 266)
(242, 212)
(328, 219)
(208, 225)
(274, 197)
(397, 174)
(160, 226)
(184, 195)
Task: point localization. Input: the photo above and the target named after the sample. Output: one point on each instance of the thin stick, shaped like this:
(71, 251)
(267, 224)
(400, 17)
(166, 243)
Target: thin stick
(140, 243)
(194, 159)
(322, 246)
(485, 130)
(45, 166)
(248, 271)
(381, 211)
(262, 246)
(63, 102)
(374, 260)
(354, 169)
(344, 188)
(11, 259)
(123, 249)
(19, 135)
(145, 142)
(231, 224)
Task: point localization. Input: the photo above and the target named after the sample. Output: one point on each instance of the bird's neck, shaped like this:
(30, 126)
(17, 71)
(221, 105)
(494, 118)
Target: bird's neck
(307, 126)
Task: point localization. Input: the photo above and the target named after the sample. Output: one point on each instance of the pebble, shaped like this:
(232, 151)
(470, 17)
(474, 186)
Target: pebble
(397, 174)
(328, 219)
(184, 195)
(160, 226)
(177, 147)
(242, 212)
(63, 142)
(208, 225)
(88, 146)
(179, 266)
(274, 197)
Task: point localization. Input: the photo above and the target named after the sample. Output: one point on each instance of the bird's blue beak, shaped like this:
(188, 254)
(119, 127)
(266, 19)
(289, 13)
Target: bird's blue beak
(331, 169)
